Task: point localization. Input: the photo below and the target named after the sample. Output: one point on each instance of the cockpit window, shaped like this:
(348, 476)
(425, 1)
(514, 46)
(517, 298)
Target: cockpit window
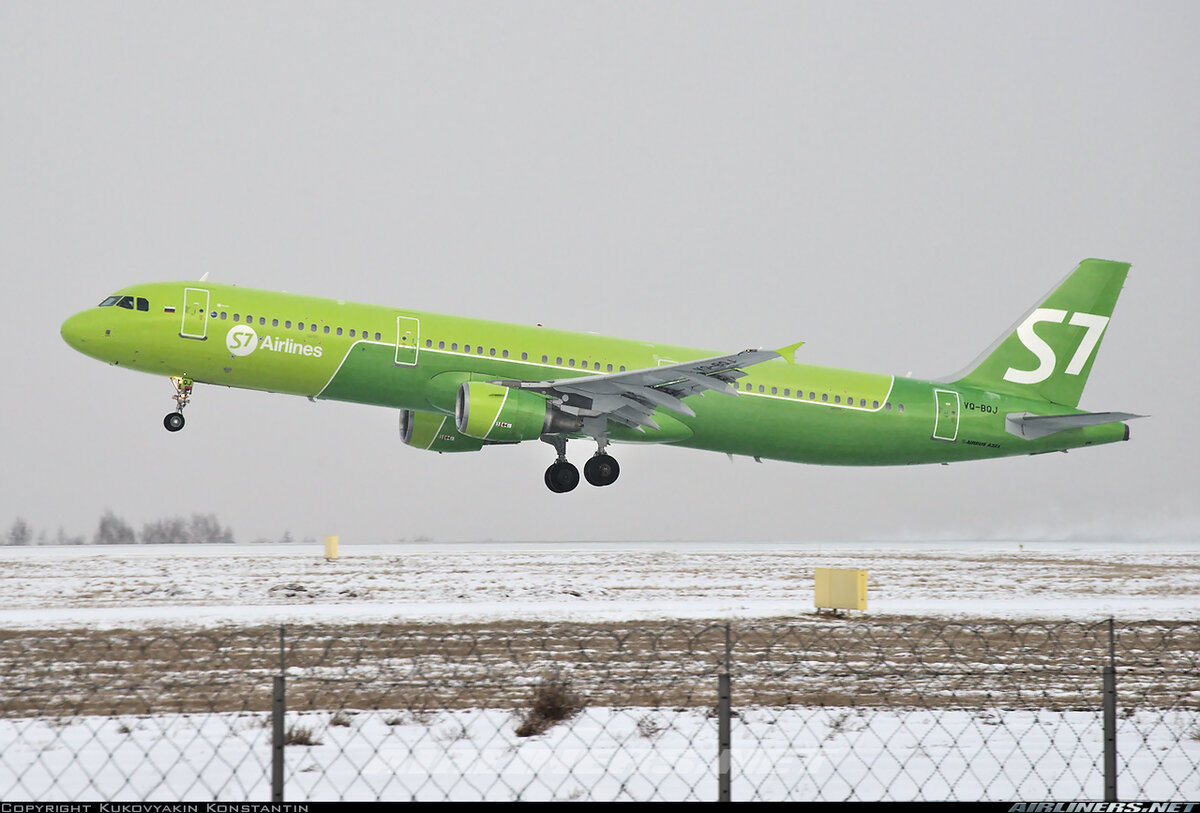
(125, 302)
(143, 304)
(112, 300)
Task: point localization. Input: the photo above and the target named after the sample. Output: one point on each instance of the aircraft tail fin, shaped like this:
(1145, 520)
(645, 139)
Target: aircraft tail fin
(1048, 353)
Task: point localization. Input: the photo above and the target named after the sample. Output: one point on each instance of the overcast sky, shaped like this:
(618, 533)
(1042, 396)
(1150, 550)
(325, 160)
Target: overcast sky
(892, 183)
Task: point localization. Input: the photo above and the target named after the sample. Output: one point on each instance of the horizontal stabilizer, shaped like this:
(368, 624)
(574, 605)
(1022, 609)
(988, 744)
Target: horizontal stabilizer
(1032, 427)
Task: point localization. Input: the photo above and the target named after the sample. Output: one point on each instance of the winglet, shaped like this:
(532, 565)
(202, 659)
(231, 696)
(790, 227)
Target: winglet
(788, 353)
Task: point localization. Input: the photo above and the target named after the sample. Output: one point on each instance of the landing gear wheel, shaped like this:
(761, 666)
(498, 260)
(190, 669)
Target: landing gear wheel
(561, 477)
(602, 470)
(173, 421)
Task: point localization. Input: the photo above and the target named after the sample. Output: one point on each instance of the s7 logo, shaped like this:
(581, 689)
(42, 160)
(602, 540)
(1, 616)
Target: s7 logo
(1047, 360)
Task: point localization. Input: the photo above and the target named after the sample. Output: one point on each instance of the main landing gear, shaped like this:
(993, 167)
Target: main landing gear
(601, 470)
(183, 393)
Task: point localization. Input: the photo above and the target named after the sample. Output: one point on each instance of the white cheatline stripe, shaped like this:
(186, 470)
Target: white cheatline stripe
(496, 417)
(433, 439)
(886, 398)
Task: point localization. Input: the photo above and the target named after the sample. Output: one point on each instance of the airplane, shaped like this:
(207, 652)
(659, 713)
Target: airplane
(460, 384)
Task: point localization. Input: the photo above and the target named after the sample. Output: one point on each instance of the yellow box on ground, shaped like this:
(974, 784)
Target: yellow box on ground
(840, 588)
(331, 547)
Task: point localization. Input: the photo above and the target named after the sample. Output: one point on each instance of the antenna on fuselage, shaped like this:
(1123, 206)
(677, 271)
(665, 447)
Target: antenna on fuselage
(205, 277)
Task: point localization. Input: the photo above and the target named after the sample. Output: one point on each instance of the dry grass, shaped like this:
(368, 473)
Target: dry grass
(552, 701)
(418, 668)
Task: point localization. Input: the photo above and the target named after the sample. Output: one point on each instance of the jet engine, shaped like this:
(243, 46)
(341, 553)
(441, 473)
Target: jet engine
(502, 414)
(428, 430)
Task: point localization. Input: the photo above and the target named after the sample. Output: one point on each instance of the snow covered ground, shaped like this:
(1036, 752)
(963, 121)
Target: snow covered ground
(604, 754)
(942, 751)
(122, 585)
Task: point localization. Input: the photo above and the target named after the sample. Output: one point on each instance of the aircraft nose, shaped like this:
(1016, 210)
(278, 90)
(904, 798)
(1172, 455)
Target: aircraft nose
(80, 330)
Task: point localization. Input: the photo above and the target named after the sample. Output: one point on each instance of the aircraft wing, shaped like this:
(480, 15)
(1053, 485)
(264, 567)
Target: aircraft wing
(630, 398)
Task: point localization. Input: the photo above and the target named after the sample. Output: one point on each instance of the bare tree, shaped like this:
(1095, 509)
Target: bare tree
(19, 533)
(114, 531)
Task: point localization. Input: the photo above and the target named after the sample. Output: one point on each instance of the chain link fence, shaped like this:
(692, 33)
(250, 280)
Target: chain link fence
(819, 708)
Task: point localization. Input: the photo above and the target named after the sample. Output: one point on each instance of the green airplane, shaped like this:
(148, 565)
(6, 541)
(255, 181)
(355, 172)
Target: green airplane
(461, 384)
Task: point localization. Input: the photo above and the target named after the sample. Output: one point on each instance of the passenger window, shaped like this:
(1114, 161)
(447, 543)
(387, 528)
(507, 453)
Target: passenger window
(454, 345)
(774, 390)
(874, 405)
(274, 323)
(339, 331)
(610, 368)
(492, 351)
(214, 315)
(825, 396)
(237, 318)
(441, 345)
(299, 325)
(837, 399)
(351, 333)
(504, 353)
(143, 304)
(287, 323)
(887, 405)
(787, 392)
(327, 330)
(862, 402)
(899, 407)
(597, 365)
(466, 348)
(479, 349)
(545, 359)
(376, 336)
(572, 362)
(313, 328)
(223, 315)
(558, 360)
(429, 342)
(761, 388)
(622, 368)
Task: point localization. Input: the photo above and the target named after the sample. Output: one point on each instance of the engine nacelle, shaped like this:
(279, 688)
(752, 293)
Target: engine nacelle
(427, 430)
(502, 414)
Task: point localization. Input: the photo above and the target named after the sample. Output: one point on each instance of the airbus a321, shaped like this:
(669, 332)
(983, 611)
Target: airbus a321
(461, 384)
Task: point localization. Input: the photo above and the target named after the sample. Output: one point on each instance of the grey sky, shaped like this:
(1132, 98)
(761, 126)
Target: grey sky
(892, 183)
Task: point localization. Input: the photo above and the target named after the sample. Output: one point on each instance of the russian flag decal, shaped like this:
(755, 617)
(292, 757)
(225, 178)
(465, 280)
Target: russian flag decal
(169, 309)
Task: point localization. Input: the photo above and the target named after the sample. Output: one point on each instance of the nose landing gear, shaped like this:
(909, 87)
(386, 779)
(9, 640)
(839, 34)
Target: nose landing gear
(183, 393)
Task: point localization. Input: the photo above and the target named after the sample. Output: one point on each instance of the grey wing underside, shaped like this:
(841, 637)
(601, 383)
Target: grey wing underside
(630, 398)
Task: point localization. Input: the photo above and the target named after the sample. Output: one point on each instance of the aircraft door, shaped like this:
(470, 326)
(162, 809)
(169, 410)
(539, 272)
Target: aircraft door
(947, 407)
(195, 314)
(408, 334)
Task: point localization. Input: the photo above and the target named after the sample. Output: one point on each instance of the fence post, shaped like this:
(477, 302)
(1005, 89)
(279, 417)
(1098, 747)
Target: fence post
(724, 714)
(278, 708)
(1110, 719)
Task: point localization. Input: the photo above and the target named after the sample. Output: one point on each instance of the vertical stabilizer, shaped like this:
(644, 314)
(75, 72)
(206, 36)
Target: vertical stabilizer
(1048, 354)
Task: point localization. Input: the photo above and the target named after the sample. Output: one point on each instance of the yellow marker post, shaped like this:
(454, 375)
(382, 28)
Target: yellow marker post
(331, 553)
(839, 588)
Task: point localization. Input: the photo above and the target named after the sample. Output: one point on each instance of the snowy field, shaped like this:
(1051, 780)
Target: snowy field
(604, 754)
(77, 614)
(122, 585)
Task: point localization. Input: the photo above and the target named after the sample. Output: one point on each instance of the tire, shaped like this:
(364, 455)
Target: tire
(602, 470)
(562, 477)
(173, 421)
